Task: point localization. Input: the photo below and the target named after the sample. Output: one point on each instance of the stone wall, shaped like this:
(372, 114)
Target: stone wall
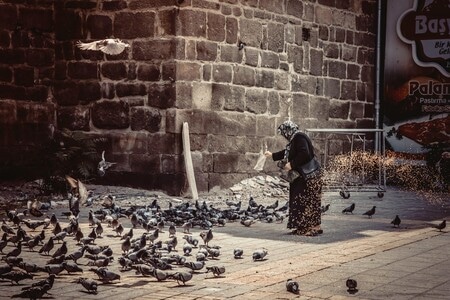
(232, 69)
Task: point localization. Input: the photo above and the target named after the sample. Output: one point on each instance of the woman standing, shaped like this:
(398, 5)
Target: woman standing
(304, 195)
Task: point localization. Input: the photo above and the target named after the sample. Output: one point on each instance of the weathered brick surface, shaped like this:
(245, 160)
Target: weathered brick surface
(232, 69)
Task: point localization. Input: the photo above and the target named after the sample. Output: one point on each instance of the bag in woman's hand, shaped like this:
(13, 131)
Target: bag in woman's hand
(311, 169)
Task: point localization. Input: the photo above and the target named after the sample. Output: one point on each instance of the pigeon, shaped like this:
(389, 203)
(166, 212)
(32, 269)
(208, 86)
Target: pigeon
(191, 240)
(111, 47)
(99, 230)
(16, 276)
(72, 268)
(47, 247)
(172, 230)
(207, 236)
(187, 249)
(5, 269)
(104, 275)
(259, 254)
(396, 221)
(129, 234)
(216, 270)
(241, 45)
(78, 236)
(370, 212)
(89, 284)
(75, 256)
(143, 269)
(160, 275)
(29, 267)
(351, 285)
(50, 280)
(186, 226)
(195, 265)
(349, 209)
(238, 252)
(3, 242)
(119, 229)
(55, 268)
(273, 206)
(292, 286)
(60, 236)
(181, 277)
(324, 208)
(35, 292)
(125, 263)
(15, 252)
(248, 222)
(56, 259)
(126, 245)
(440, 226)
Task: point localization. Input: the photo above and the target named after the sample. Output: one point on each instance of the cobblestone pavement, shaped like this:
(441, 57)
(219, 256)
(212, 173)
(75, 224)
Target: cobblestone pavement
(410, 262)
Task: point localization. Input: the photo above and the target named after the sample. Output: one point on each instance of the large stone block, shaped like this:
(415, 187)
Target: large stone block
(265, 78)
(216, 27)
(230, 53)
(235, 100)
(222, 73)
(206, 51)
(256, 101)
(24, 76)
(201, 95)
(319, 108)
(265, 126)
(111, 114)
(332, 88)
(272, 6)
(336, 69)
(231, 30)
(73, 118)
(323, 15)
(301, 105)
(167, 22)
(36, 18)
(189, 71)
(8, 16)
(99, 26)
(183, 95)
(89, 91)
(275, 37)
(145, 118)
(273, 103)
(251, 57)
(114, 70)
(5, 39)
(130, 143)
(176, 117)
(154, 49)
(161, 95)
(38, 93)
(130, 89)
(40, 57)
(114, 5)
(225, 180)
(12, 56)
(66, 92)
(82, 70)
(6, 74)
(148, 72)
(295, 56)
(339, 109)
(270, 60)
(348, 90)
(8, 112)
(172, 164)
(251, 32)
(192, 23)
(160, 143)
(244, 75)
(68, 25)
(226, 162)
(294, 8)
(316, 65)
(145, 163)
(130, 25)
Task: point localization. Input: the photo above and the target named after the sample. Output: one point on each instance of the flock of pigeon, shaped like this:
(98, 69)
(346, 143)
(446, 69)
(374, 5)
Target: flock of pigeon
(148, 254)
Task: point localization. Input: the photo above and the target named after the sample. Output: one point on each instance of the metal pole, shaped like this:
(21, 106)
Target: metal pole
(377, 83)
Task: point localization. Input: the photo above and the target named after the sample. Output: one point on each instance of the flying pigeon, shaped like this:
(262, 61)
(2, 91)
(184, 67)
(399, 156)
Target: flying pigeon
(108, 46)
(103, 165)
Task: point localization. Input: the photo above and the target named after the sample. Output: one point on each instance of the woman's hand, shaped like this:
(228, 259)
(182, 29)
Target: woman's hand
(287, 166)
(268, 154)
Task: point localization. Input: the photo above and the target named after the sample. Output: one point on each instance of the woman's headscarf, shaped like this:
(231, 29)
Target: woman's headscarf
(288, 129)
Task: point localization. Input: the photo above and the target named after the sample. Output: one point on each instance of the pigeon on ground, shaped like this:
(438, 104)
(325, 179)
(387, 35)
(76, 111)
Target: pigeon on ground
(440, 226)
(89, 284)
(195, 265)
(325, 208)
(292, 286)
(5, 269)
(16, 276)
(238, 252)
(160, 275)
(61, 250)
(50, 280)
(187, 226)
(370, 212)
(396, 222)
(259, 254)
(349, 209)
(143, 269)
(55, 268)
(126, 245)
(191, 240)
(104, 275)
(3, 242)
(15, 252)
(187, 249)
(125, 263)
(75, 256)
(36, 292)
(181, 277)
(72, 268)
(248, 222)
(47, 247)
(207, 236)
(216, 270)
(29, 267)
(273, 206)
(109, 46)
(119, 229)
(351, 285)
